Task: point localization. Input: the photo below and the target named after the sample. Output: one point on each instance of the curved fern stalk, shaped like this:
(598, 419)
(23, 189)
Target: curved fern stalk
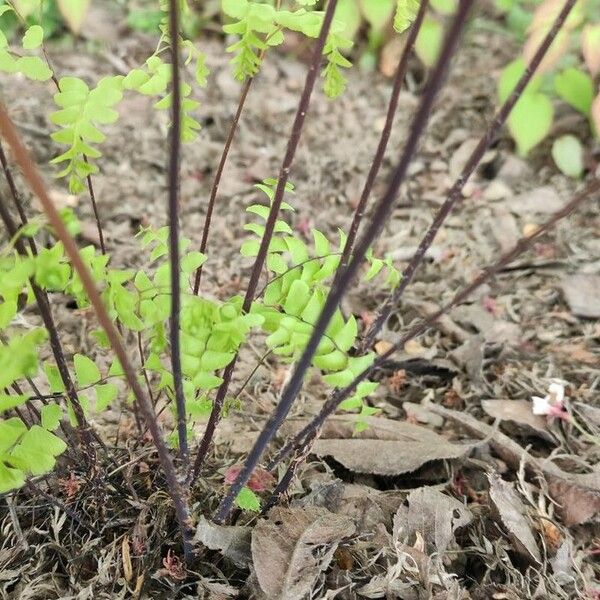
(217, 180)
(173, 214)
(381, 213)
(305, 437)
(282, 181)
(35, 182)
(474, 159)
(387, 130)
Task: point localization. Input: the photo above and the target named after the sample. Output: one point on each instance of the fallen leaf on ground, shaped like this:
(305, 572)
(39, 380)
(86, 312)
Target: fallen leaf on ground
(233, 542)
(511, 512)
(293, 546)
(519, 412)
(436, 516)
(582, 293)
(386, 447)
(577, 495)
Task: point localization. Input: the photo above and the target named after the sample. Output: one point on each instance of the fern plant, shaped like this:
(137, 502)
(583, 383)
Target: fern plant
(159, 307)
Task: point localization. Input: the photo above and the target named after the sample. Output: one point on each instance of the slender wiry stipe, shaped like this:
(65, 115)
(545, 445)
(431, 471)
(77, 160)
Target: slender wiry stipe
(95, 209)
(455, 192)
(35, 182)
(304, 438)
(217, 181)
(173, 212)
(381, 213)
(284, 173)
(385, 135)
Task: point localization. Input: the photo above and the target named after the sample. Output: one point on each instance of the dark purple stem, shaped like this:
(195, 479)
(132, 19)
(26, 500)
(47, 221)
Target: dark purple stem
(455, 192)
(173, 211)
(284, 173)
(305, 437)
(385, 136)
(215, 186)
(381, 214)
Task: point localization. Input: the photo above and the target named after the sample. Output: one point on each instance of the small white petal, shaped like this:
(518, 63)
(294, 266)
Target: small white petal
(557, 392)
(541, 406)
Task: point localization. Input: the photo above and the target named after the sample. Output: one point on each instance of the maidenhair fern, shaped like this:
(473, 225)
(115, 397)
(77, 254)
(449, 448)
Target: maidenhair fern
(294, 298)
(31, 66)
(260, 25)
(82, 110)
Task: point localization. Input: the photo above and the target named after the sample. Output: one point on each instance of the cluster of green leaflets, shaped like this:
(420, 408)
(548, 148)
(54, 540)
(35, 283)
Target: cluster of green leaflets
(260, 25)
(212, 332)
(83, 110)
(29, 65)
(294, 298)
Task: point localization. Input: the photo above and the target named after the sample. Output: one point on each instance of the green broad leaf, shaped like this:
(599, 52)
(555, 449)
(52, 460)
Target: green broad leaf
(8, 311)
(116, 370)
(365, 388)
(33, 37)
(276, 264)
(191, 261)
(236, 9)
(11, 431)
(322, 246)
(352, 403)
(348, 14)
(346, 337)
(359, 364)
(86, 370)
(10, 479)
(567, 153)
(34, 68)
(297, 298)
(74, 12)
(54, 379)
(429, 41)
(37, 451)
(339, 379)
(213, 361)
(406, 13)
(576, 88)
(248, 500)
(51, 416)
(206, 381)
(530, 121)
(378, 14)
(105, 394)
(510, 76)
(334, 361)
(9, 401)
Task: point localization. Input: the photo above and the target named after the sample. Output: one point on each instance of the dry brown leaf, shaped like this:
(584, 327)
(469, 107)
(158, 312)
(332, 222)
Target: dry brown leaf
(386, 447)
(519, 412)
(435, 516)
(232, 541)
(388, 457)
(511, 512)
(577, 495)
(126, 555)
(577, 353)
(293, 546)
(582, 293)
